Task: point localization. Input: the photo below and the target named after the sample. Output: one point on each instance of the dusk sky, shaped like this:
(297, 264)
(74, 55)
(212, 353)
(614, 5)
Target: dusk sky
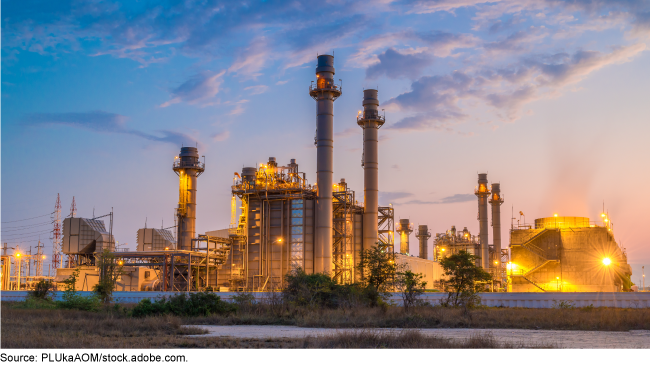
(550, 98)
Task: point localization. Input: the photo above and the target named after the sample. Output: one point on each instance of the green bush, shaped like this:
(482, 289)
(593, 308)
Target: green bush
(72, 299)
(41, 290)
(194, 304)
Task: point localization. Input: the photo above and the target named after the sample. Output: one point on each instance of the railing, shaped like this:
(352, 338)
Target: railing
(327, 87)
(182, 164)
(370, 116)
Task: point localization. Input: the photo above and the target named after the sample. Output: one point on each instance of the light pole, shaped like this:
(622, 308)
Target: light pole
(17, 256)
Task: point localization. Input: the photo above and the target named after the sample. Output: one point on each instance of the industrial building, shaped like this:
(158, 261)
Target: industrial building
(492, 258)
(567, 254)
(281, 222)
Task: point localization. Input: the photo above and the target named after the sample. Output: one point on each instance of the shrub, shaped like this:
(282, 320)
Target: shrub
(194, 304)
(310, 290)
(464, 279)
(72, 300)
(243, 300)
(411, 286)
(41, 290)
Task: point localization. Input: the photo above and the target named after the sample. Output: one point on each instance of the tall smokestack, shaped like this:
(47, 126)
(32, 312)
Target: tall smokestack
(405, 228)
(423, 235)
(483, 193)
(370, 121)
(496, 200)
(188, 167)
(324, 92)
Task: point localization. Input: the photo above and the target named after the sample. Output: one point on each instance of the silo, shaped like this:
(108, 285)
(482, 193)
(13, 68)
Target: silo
(423, 236)
(482, 192)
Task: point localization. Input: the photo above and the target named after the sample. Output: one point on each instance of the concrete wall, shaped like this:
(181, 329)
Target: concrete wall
(431, 270)
(520, 300)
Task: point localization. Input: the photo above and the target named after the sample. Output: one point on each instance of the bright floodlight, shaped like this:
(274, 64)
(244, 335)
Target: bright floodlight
(606, 261)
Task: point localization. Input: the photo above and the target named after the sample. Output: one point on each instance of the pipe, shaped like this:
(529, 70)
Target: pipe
(496, 200)
(483, 193)
(324, 92)
(370, 121)
(188, 168)
(423, 235)
(405, 228)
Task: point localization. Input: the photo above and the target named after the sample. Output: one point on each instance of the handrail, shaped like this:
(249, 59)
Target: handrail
(181, 164)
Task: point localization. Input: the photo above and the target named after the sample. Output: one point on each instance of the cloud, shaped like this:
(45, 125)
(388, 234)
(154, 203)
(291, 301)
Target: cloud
(239, 107)
(221, 136)
(257, 89)
(199, 89)
(436, 102)
(393, 64)
(348, 132)
(456, 198)
(103, 122)
(517, 42)
(386, 197)
(281, 82)
(252, 60)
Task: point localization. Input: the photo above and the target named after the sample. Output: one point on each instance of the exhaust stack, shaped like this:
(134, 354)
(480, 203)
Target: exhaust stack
(324, 92)
(188, 168)
(423, 235)
(496, 200)
(404, 229)
(370, 121)
(483, 193)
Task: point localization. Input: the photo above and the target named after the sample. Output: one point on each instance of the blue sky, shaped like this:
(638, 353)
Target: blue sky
(548, 97)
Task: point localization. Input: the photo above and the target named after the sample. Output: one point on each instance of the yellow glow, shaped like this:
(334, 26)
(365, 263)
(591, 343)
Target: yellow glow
(496, 262)
(166, 248)
(442, 250)
(43, 257)
(557, 278)
(607, 261)
(18, 255)
(602, 215)
(120, 262)
(605, 219)
(555, 215)
(279, 239)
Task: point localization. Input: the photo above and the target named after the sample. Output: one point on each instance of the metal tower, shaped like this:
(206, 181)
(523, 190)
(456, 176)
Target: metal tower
(324, 92)
(495, 201)
(57, 259)
(73, 208)
(404, 229)
(188, 168)
(423, 236)
(370, 121)
(482, 192)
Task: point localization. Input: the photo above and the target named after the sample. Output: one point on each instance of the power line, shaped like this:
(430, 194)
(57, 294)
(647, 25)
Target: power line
(28, 227)
(29, 233)
(26, 219)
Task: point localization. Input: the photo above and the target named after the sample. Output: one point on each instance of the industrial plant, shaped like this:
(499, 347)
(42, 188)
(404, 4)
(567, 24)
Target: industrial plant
(281, 222)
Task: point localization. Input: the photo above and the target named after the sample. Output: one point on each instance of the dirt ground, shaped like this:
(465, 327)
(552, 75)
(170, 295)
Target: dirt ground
(542, 338)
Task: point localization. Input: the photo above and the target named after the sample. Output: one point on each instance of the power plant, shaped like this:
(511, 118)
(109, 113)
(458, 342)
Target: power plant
(282, 222)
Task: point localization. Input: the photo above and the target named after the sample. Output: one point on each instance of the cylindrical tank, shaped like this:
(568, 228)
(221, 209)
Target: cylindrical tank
(423, 235)
(188, 167)
(483, 193)
(324, 92)
(404, 231)
(496, 200)
(370, 121)
(248, 175)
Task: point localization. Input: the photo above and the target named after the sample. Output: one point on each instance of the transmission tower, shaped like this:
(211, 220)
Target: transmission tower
(73, 208)
(57, 259)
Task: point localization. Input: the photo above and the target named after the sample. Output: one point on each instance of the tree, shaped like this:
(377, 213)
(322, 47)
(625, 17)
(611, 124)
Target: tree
(411, 286)
(312, 290)
(110, 270)
(463, 279)
(378, 268)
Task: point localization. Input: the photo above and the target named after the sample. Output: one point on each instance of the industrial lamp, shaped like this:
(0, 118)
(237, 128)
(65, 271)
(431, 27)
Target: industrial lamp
(607, 261)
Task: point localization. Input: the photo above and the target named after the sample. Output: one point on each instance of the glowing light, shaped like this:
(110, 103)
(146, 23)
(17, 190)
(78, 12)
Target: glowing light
(166, 248)
(557, 278)
(443, 250)
(18, 255)
(279, 239)
(603, 215)
(120, 262)
(555, 215)
(607, 261)
(43, 257)
(605, 219)
(496, 262)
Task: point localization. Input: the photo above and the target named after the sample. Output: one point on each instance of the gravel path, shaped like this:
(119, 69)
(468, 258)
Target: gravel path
(562, 339)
